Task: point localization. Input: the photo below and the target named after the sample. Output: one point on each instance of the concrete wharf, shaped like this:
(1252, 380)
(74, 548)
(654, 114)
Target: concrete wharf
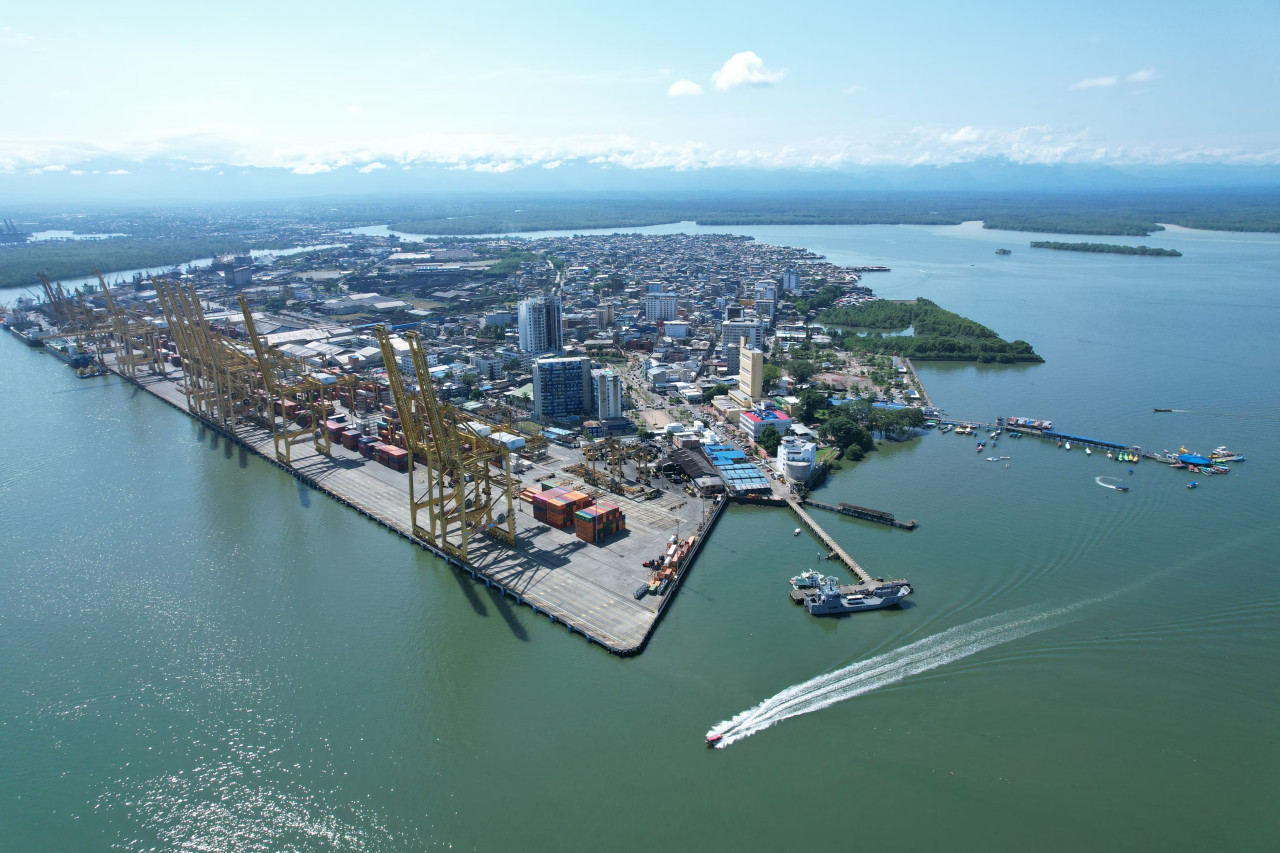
(834, 546)
(587, 587)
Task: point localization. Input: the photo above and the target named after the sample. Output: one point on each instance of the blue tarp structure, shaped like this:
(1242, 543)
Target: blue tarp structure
(1192, 459)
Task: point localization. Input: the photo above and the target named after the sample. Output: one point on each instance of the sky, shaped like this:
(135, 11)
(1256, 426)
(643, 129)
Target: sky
(503, 87)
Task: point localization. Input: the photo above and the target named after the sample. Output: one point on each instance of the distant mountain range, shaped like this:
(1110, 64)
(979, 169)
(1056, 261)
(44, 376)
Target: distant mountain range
(123, 182)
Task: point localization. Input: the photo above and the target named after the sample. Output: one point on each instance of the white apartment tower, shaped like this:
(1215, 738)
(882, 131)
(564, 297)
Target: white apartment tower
(606, 391)
(540, 324)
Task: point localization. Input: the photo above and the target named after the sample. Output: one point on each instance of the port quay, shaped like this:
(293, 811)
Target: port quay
(585, 587)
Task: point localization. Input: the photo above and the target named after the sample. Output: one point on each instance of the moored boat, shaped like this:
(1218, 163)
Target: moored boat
(828, 600)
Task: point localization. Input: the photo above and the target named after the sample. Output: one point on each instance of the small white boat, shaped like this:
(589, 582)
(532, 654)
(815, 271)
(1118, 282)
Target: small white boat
(1088, 452)
(1068, 445)
(797, 532)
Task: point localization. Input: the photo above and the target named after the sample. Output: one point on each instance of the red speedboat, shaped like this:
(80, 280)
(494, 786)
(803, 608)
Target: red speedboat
(712, 740)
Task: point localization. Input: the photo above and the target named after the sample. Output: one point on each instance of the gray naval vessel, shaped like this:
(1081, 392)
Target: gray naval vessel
(827, 599)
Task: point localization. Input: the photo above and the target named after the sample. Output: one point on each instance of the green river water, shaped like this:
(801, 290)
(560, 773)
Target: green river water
(199, 653)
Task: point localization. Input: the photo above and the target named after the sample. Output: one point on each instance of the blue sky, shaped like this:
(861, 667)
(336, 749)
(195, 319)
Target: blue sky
(504, 86)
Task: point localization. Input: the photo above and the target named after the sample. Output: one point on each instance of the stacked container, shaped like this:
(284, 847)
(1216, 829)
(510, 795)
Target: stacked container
(395, 458)
(593, 523)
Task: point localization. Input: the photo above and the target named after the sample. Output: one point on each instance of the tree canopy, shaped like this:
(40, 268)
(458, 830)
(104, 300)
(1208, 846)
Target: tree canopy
(769, 440)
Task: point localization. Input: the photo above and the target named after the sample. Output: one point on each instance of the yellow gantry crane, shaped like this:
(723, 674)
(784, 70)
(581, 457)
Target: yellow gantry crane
(288, 383)
(129, 333)
(219, 377)
(459, 491)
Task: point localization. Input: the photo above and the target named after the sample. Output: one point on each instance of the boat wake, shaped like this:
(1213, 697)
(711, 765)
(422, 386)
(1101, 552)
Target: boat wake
(1102, 481)
(889, 668)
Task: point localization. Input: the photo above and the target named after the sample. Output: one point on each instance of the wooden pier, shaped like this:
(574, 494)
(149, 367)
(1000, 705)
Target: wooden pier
(878, 516)
(831, 544)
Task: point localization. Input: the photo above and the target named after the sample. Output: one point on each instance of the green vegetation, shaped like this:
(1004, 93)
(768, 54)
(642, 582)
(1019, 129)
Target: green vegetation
(1105, 248)
(1130, 214)
(719, 391)
(510, 261)
(60, 261)
(826, 295)
(938, 334)
(769, 440)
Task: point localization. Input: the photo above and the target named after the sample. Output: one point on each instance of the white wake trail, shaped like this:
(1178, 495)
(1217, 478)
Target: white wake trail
(889, 668)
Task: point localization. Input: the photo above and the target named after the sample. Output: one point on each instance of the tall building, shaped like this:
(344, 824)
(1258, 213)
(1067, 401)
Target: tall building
(791, 280)
(750, 372)
(561, 388)
(731, 331)
(606, 394)
(659, 307)
(540, 324)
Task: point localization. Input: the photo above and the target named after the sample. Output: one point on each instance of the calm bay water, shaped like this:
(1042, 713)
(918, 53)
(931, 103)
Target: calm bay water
(198, 653)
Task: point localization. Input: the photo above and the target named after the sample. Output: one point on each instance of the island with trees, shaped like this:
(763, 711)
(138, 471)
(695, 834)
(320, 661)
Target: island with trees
(1105, 248)
(937, 334)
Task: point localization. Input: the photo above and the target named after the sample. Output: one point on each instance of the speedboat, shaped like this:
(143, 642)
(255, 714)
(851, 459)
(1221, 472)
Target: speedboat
(1121, 488)
(1067, 446)
(1088, 452)
(712, 740)
(797, 532)
(1192, 484)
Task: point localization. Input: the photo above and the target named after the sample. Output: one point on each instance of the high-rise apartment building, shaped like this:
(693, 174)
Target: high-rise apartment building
(731, 331)
(791, 280)
(540, 324)
(561, 388)
(606, 394)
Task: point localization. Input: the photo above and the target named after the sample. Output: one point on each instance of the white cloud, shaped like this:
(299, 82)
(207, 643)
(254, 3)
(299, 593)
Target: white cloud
(372, 167)
(119, 172)
(553, 164)
(745, 69)
(76, 172)
(311, 169)
(1142, 75)
(205, 168)
(682, 88)
(497, 168)
(53, 168)
(1095, 83)
(8, 35)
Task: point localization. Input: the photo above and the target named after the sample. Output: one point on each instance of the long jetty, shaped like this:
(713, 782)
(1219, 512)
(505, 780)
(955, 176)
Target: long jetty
(829, 542)
(1053, 435)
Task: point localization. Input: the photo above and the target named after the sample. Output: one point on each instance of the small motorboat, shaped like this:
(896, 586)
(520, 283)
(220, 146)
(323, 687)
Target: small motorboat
(1164, 410)
(714, 739)
(1067, 446)
(980, 446)
(1121, 488)
(797, 532)
(1192, 484)
(1088, 452)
